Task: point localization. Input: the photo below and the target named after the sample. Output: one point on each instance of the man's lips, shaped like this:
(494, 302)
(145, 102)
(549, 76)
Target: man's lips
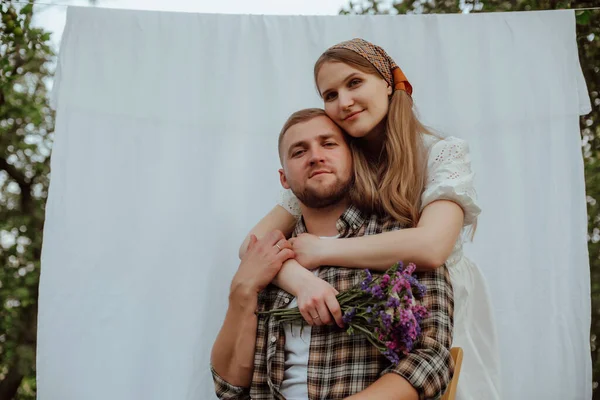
(319, 172)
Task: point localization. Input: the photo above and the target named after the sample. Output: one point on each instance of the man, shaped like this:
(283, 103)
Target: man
(255, 357)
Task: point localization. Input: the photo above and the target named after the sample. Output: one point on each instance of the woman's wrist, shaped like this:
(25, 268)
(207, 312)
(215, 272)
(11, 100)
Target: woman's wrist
(293, 276)
(328, 250)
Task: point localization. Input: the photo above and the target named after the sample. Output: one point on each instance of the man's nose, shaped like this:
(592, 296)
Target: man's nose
(317, 156)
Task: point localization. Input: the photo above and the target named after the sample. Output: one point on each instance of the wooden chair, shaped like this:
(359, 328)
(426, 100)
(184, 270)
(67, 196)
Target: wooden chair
(457, 356)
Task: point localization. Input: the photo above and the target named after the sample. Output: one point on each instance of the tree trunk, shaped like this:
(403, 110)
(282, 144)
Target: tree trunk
(10, 384)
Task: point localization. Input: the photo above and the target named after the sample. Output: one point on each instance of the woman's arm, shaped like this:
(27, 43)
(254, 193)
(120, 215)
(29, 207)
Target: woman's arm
(278, 219)
(315, 296)
(292, 276)
(428, 245)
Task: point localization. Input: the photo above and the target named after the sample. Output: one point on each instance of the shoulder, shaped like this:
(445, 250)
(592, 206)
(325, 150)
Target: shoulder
(441, 149)
(450, 176)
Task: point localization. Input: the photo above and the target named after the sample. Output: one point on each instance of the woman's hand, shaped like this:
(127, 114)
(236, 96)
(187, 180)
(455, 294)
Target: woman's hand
(309, 250)
(318, 304)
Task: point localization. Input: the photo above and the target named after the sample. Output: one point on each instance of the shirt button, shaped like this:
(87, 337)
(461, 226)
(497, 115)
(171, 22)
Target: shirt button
(354, 226)
(273, 339)
(286, 301)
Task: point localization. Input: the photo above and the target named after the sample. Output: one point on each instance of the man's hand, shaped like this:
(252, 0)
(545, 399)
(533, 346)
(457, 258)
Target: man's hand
(308, 249)
(317, 303)
(262, 262)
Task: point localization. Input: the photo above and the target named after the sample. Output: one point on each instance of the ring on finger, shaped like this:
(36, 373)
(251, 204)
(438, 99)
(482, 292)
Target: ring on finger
(277, 245)
(317, 317)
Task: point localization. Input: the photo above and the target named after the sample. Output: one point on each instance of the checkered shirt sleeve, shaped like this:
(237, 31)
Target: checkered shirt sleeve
(227, 391)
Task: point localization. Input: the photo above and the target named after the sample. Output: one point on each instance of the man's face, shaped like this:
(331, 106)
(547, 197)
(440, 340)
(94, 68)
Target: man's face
(317, 163)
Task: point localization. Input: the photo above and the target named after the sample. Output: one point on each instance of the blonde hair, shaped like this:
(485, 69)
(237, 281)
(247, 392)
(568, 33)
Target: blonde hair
(298, 117)
(390, 183)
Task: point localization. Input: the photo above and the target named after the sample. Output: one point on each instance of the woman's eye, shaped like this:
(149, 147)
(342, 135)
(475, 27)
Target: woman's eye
(330, 96)
(354, 82)
(330, 144)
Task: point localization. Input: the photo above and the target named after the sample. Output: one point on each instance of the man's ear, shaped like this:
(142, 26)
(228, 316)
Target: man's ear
(283, 179)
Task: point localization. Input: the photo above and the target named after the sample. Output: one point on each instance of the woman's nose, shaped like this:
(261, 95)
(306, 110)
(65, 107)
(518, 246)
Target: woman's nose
(346, 99)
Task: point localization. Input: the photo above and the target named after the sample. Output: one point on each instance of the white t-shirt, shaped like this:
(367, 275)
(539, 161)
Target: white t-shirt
(297, 348)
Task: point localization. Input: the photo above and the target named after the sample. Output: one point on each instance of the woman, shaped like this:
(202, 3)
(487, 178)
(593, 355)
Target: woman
(405, 172)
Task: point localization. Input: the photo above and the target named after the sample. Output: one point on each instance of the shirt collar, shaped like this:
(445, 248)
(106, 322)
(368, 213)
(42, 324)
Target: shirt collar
(347, 225)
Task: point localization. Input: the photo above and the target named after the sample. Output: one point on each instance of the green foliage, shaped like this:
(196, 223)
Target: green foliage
(588, 41)
(26, 125)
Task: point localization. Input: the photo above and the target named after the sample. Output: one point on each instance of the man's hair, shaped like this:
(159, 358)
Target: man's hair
(298, 117)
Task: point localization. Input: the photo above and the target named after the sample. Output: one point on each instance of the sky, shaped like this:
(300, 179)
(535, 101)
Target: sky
(52, 17)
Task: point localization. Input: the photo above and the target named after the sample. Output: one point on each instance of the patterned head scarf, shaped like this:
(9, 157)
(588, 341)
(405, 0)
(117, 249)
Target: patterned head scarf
(390, 71)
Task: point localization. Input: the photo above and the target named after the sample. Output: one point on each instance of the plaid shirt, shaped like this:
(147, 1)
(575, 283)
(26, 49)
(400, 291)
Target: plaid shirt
(341, 365)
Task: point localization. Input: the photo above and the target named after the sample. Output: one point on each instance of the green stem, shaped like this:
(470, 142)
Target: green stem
(369, 337)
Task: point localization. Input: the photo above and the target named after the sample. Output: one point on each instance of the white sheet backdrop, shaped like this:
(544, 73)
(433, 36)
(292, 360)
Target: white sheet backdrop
(165, 156)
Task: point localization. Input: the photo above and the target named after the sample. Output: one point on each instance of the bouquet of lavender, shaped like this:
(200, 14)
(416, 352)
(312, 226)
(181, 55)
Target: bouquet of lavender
(383, 309)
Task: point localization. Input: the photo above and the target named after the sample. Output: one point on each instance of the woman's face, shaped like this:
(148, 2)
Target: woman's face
(355, 100)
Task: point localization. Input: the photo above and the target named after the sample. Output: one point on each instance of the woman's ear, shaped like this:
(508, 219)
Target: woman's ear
(389, 90)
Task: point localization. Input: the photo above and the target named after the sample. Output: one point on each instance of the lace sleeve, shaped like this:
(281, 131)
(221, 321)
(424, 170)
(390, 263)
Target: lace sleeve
(449, 177)
(289, 202)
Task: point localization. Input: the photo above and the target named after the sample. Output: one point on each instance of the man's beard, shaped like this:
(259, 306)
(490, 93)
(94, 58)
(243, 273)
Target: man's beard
(322, 199)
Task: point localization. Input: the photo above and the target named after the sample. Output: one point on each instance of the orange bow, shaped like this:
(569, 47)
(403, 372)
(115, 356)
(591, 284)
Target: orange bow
(400, 81)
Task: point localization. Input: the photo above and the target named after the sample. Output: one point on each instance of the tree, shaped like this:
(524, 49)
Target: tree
(26, 126)
(588, 41)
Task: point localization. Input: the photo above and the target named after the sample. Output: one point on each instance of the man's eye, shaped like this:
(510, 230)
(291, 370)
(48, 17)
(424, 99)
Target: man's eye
(297, 153)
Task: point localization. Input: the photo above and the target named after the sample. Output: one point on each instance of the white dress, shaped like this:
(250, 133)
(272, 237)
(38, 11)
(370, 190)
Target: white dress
(449, 177)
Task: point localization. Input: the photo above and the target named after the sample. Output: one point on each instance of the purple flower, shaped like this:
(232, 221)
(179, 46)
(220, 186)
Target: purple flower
(385, 280)
(419, 290)
(408, 345)
(399, 283)
(386, 307)
(392, 356)
(377, 292)
(406, 317)
(369, 278)
(405, 337)
(348, 315)
(420, 312)
(391, 345)
(386, 319)
(392, 302)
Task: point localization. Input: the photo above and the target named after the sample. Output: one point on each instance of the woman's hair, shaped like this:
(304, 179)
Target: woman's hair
(390, 183)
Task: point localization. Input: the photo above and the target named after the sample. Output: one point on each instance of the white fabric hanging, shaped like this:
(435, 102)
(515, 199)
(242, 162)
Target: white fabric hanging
(166, 154)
